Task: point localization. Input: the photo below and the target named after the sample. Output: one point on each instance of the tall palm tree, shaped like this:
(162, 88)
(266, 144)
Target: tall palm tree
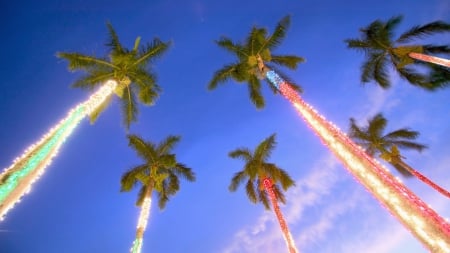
(125, 73)
(422, 221)
(382, 50)
(263, 181)
(129, 68)
(252, 57)
(159, 173)
(373, 139)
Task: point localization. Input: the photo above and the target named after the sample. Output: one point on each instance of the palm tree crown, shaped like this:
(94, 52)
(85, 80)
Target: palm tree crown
(371, 137)
(160, 172)
(252, 57)
(256, 169)
(129, 68)
(382, 50)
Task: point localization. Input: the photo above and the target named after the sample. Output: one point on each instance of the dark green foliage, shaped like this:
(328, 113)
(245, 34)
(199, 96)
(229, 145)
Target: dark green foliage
(382, 52)
(372, 138)
(161, 170)
(246, 68)
(129, 68)
(256, 169)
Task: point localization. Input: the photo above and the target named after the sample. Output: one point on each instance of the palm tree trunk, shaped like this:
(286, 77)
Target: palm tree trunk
(430, 59)
(423, 178)
(142, 222)
(16, 180)
(284, 227)
(422, 221)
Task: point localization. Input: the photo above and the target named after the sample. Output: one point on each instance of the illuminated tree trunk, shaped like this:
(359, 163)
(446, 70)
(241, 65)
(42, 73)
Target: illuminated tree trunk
(423, 178)
(284, 227)
(16, 180)
(422, 221)
(430, 59)
(142, 222)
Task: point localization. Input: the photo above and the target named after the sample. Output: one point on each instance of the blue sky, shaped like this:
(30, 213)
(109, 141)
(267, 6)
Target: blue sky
(77, 206)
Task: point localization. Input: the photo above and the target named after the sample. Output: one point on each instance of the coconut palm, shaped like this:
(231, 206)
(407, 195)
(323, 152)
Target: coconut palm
(253, 58)
(159, 173)
(129, 68)
(409, 60)
(373, 139)
(124, 72)
(264, 181)
(381, 184)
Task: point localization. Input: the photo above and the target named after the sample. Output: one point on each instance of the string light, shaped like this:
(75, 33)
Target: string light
(284, 227)
(26, 169)
(423, 222)
(142, 225)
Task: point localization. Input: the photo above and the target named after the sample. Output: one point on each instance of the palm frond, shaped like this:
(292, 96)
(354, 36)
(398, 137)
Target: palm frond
(152, 50)
(390, 25)
(129, 107)
(243, 153)
(279, 33)
(166, 145)
(423, 31)
(434, 49)
(279, 195)
(183, 171)
(264, 149)
(403, 133)
(221, 75)
(232, 47)
(84, 62)
(417, 79)
(94, 79)
(355, 131)
(290, 61)
(410, 145)
(255, 40)
(404, 172)
(113, 42)
(376, 125)
(238, 179)
(254, 88)
(141, 147)
(284, 179)
(360, 45)
(130, 178)
(250, 190)
(263, 196)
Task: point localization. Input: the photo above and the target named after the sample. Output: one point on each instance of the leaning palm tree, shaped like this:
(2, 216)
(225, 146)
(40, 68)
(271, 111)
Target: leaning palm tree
(409, 60)
(411, 211)
(263, 181)
(125, 72)
(372, 138)
(159, 173)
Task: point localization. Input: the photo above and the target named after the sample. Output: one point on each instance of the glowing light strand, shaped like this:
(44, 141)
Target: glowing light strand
(422, 221)
(26, 169)
(284, 227)
(142, 224)
(429, 58)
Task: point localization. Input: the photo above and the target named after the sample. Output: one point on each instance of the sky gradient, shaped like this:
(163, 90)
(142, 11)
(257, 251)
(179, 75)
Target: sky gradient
(77, 207)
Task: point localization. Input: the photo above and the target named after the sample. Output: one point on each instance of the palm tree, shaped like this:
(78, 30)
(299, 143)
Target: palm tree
(125, 73)
(375, 142)
(252, 58)
(159, 173)
(381, 50)
(263, 180)
(422, 221)
(129, 68)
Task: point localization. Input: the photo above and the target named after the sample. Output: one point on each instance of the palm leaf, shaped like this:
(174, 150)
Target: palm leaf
(129, 107)
(264, 149)
(290, 61)
(165, 146)
(250, 190)
(230, 46)
(243, 153)
(93, 79)
(237, 180)
(361, 45)
(279, 195)
(376, 125)
(152, 50)
(254, 88)
(403, 133)
(83, 62)
(143, 149)
(221, 75)
(279, 33)
(129, 178)
(113, 42)
(183, 171)
(409, 145)
(262, 195)
(423, 31)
